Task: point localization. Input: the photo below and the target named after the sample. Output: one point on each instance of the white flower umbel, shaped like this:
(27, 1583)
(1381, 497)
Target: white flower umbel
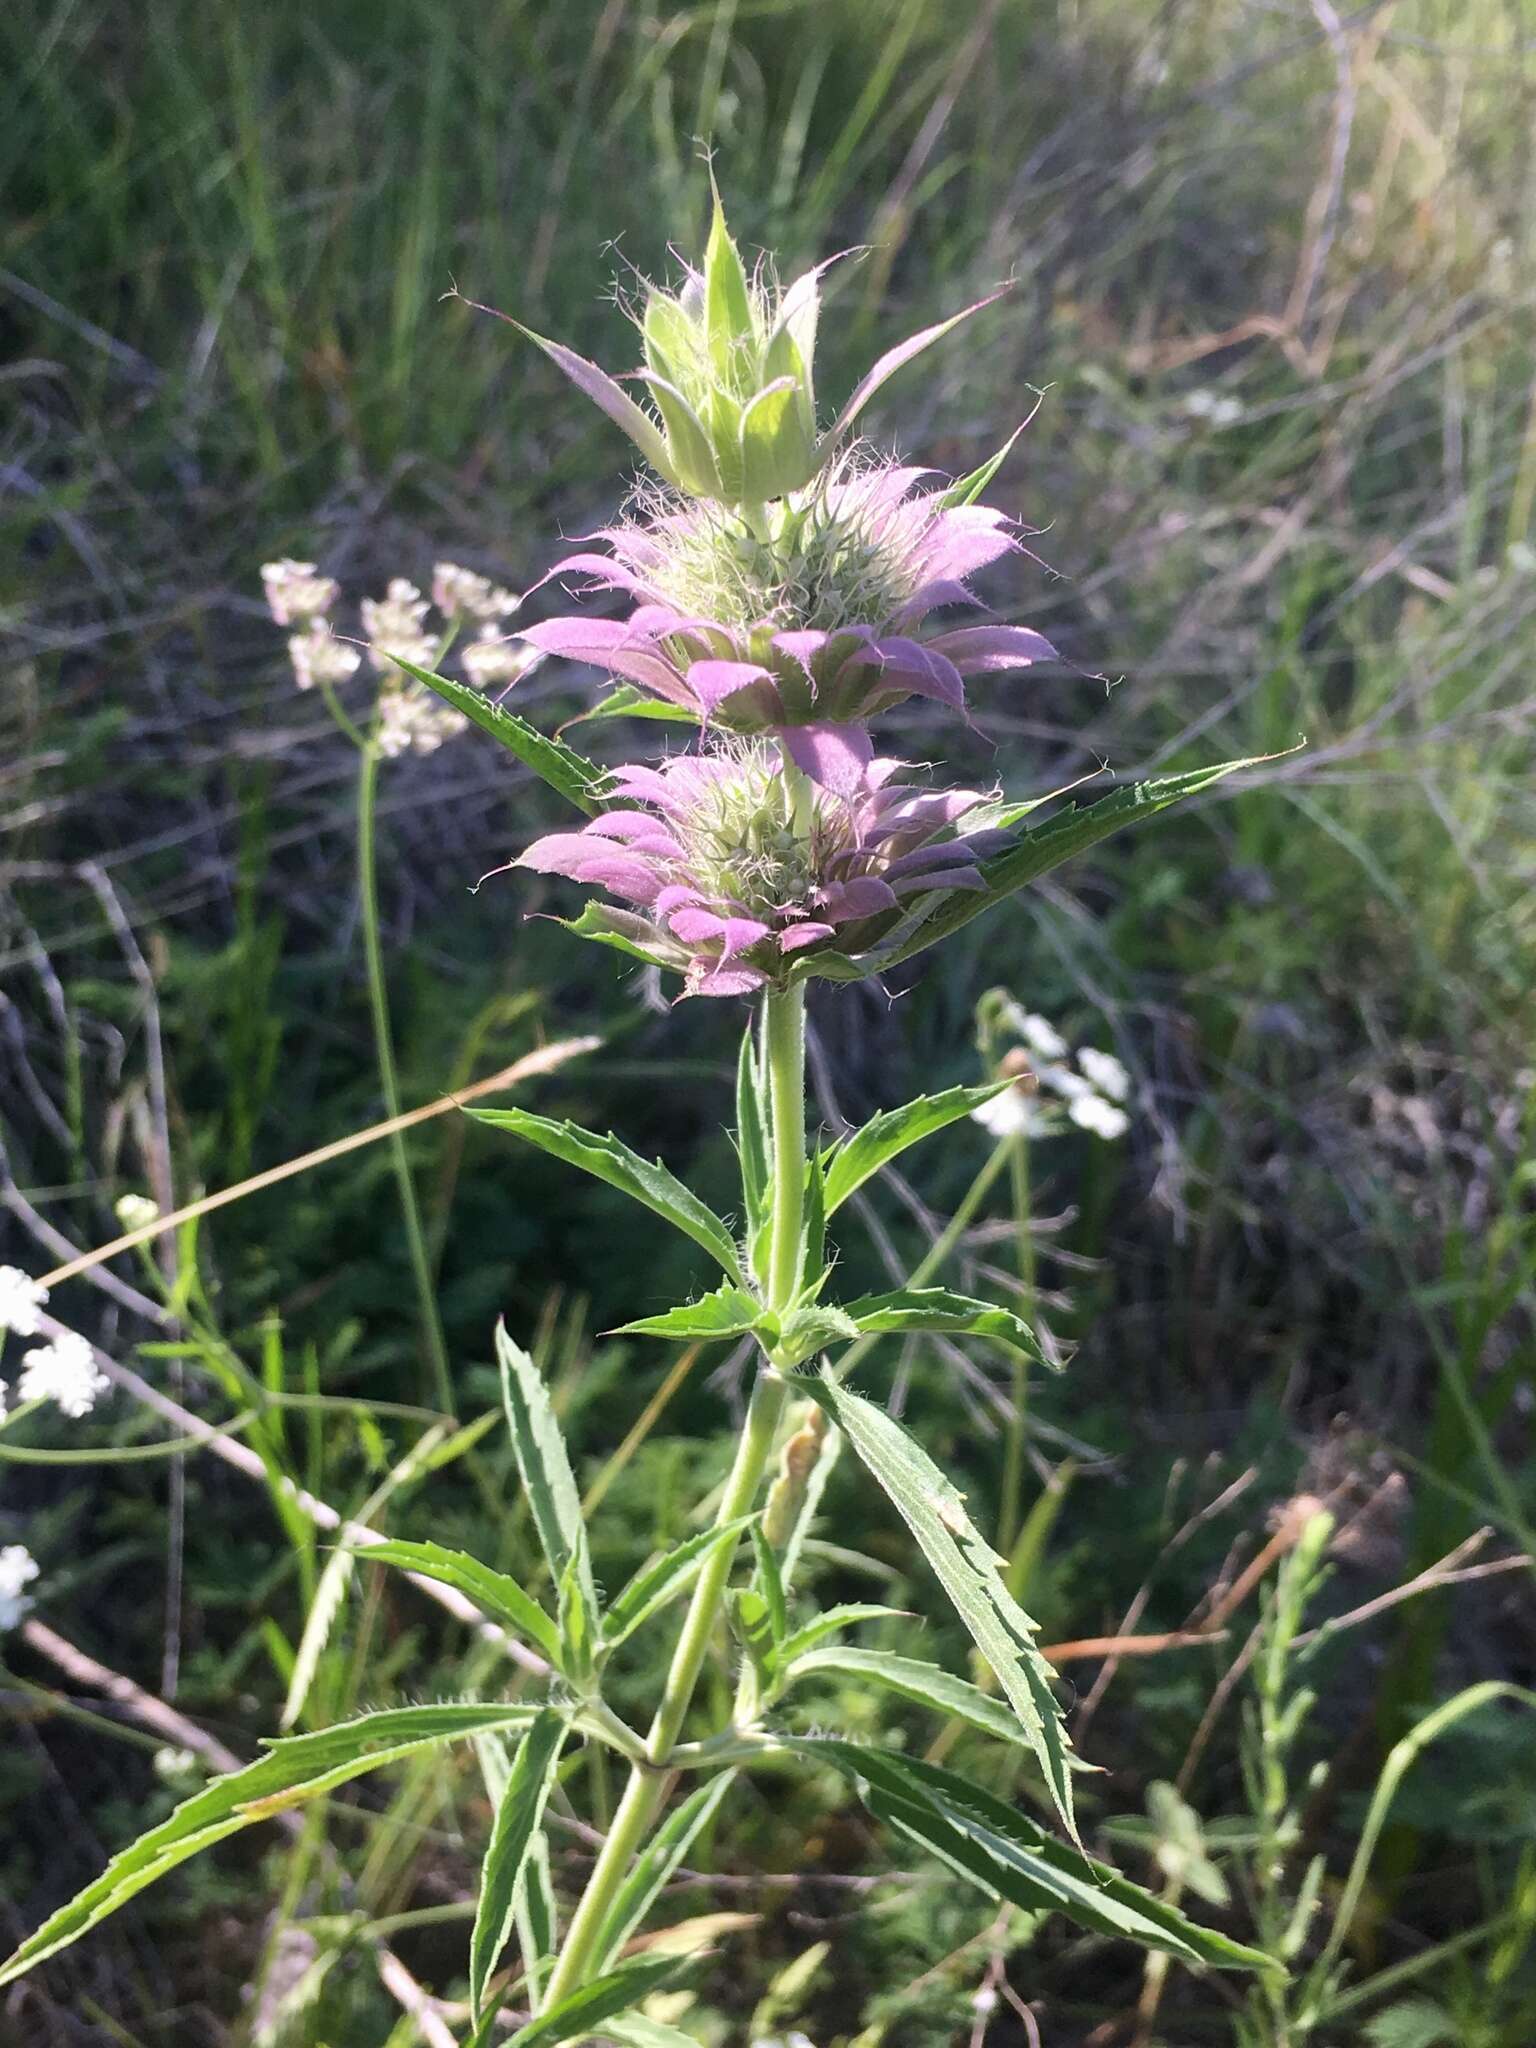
(63, 1371)
(295, 593)
(1106, 1073)
(1012, 1114)
(134, 1211)
(20, 1299)
(461, 593)
(319, 657)
(411, 720)
(1038, 1033)
(392, 625)
(1104, 1119)
(18, 1568)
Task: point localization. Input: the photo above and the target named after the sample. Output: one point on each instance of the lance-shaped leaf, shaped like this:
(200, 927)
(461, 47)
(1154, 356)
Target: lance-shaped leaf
(611, 397)
(966, 1567)
(1008, 1857)
(538, 1926)
(728, 1312)
(518, 1815)
(655, 1585)
(1035, 853)
(897, 358)
(578, 780)
(629, 702)
(965, 490)
(657, 1863)
(493, 1591)
(639, 2030)
(912, 1309)
(584, 2011)
(297, 1768)
(644, 1180)
(927, 1684)
(832, 1620)
(543, 1463)
(856, 1158)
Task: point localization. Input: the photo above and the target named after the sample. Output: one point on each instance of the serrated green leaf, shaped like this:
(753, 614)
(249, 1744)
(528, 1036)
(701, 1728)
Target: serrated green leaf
(297, 1768)
(608, 1159)
(833, 1619)
(728, 1312)
(927, 1684)
(967, 1569)
(518, 1816)
(604, 1998)
(654, 1867)
(1070, 831)
(1007, 1856)
(936, 1308)
(542, 1461)
(812, 1328)
(854, 1159)
(577, 779)
(655, 1585)
(501, 1597)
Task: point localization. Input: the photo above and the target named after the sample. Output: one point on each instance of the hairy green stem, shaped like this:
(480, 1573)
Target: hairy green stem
(784, 1039)
(421, 1263)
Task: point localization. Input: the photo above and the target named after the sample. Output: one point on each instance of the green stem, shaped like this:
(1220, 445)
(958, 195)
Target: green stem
(784, 1036)
(421, 1263)
(1018, 1418)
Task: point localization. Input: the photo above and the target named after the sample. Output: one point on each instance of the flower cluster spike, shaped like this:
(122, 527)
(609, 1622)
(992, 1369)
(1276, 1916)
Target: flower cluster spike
(808, 630)
(725, 878)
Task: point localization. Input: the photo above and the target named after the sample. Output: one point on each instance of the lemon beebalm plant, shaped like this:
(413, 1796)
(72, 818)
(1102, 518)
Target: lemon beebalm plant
(783, 589)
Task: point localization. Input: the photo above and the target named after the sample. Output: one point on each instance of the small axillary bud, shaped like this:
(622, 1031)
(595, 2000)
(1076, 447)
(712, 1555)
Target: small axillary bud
(797, 1461)
(1015, 1066)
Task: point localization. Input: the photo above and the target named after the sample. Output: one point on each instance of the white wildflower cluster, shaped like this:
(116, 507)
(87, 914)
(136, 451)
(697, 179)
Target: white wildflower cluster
(1094, 1091)
(20, 1300)
(298, 596)
(135, 1211)
(63, 1370)
(398, 627)
(18, 1568)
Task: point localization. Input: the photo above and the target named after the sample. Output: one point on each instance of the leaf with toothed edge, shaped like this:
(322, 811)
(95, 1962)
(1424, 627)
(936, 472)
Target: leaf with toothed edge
(937, 1309)
(584, 2011)
(296, 1769)
(543, 1463)
(500, 1596)
(1003, 1852)
(577, 779)
(854, 1159)
(1068, 832)
(645, 1181)
(728, 1312)
(518, 1815)
(966, 490)
(657, 1863)
(967, 1568)
(654, 1586)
